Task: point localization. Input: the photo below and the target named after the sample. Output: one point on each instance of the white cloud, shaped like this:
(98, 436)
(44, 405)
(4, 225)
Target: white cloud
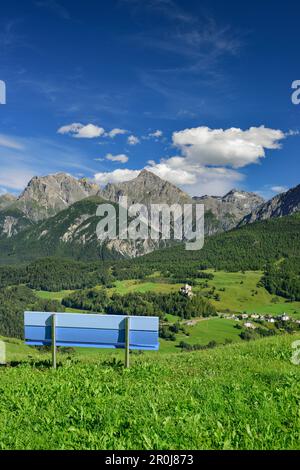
(116, 131)
(157, 134)
(279, 189)
(133, 140)
(230, 147)
(194, 179)
(292, 132)
(116, 176)
(173, 170)
(209, 159)
(10, 143)
(79, 131)
(117, 158)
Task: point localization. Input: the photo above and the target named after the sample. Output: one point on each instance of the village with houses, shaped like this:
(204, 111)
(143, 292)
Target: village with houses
(250, 321)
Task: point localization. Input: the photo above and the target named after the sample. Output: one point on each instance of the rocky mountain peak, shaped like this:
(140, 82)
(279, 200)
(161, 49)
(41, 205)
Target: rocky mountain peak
(227, 211)
(244, 200)
(44, 196)
(279, 206)
(146, 188)
(146, 174)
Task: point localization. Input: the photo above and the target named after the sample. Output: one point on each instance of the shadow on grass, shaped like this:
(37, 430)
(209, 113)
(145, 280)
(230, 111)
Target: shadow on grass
(42, 364)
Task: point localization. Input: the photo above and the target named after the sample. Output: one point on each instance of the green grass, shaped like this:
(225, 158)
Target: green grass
(236, 298)
(241, 396)
(16, 350)
(48, 295)
(240, 297)
(202, 332)
(125, 287)
(217, 329)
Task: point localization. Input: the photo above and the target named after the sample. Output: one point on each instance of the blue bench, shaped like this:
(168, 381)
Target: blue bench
(91, 331)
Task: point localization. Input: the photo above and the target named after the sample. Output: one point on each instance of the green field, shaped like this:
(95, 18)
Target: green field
(242, 396)
(242, 294)
(125, 287)
(52, 295)
(202, 332)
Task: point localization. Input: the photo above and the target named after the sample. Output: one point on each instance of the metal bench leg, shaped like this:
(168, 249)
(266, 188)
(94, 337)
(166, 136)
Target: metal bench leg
(127, 341)
(53, 342)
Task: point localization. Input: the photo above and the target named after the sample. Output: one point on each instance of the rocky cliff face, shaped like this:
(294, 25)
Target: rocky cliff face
(12, 221)
(42, 198)
(224, 213)
(72, 234)
(47, 195)
(56, 214)
(281, 205)
(146, 189)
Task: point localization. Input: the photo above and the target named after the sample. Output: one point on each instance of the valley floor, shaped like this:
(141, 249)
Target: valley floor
(239, 292)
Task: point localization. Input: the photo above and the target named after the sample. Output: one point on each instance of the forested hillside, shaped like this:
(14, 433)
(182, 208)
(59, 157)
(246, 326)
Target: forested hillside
(248, 248)
(13, 302)
(140, 304)
(261, 246)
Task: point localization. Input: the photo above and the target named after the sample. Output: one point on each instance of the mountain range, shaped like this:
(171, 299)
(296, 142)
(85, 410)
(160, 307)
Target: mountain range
(56, 215)
(283, 204)
(225, 213)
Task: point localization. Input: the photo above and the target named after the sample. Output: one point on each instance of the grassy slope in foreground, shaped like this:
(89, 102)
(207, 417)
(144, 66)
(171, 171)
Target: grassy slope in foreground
(242, 396)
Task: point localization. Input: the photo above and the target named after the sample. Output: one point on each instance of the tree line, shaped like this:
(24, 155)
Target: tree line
(13, 302)
(140, 304)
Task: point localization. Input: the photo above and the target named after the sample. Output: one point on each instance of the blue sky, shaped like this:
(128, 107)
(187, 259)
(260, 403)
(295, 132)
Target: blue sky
(199, 92)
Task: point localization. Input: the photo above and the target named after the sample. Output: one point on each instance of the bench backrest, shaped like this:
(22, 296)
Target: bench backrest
(91, 330)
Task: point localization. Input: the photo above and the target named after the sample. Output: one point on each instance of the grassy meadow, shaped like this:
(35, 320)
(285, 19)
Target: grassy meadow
(239, 292)
(242, 294)
(240, 396)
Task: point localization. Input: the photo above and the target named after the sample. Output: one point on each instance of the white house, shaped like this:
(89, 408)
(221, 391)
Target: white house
(285, 317)
(250, 325)
(244, 316)
(186, 290)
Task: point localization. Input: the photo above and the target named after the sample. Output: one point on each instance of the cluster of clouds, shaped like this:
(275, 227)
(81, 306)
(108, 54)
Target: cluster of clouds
(92, 131)
(209, 159)
(230, 147)
(205, 160)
